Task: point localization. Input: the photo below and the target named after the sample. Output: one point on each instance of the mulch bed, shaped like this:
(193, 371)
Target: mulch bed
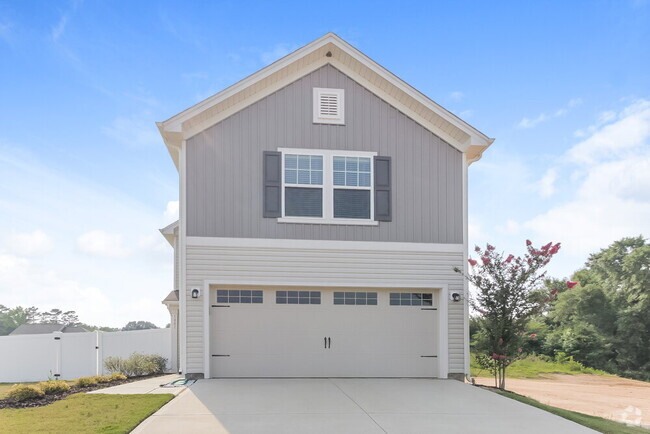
(49, 399)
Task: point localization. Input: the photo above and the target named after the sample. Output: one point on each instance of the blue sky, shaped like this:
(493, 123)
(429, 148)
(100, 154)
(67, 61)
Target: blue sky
(85, 180)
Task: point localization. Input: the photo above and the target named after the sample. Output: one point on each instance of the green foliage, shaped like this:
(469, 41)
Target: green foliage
(139, 325)
(100, 379)
(24, 392)
(605, 322)
(534, 366)
(54, 387)
(84, 413)
(136, 365)
(85, 382)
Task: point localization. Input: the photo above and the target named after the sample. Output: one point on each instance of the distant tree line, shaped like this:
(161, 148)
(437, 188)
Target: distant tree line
(602, 322)
(12, 318)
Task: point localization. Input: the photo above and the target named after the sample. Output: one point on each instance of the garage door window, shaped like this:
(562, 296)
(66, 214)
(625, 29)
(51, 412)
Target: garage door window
(297, 297)
(356, 298)
(411, 299)
(239, 296)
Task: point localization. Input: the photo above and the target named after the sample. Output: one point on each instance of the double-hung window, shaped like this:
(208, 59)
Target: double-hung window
(324, 186)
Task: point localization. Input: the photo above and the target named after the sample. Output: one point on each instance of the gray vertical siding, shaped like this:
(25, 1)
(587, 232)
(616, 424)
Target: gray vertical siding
(224, 167)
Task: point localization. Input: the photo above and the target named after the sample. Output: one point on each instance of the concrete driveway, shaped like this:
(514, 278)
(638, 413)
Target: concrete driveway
(351, 405)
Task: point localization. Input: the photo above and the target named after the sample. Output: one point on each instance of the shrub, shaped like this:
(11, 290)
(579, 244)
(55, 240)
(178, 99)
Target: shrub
(54, 387)
(23, 392)
(117, 376)
(85, 382)
(136, 365)
(102, 379)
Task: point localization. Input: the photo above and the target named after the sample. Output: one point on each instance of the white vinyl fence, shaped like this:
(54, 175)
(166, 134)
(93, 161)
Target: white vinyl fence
(73, 355)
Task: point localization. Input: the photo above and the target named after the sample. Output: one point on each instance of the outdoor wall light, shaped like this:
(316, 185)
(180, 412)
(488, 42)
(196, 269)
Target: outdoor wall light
(455, 296)
(196, 292)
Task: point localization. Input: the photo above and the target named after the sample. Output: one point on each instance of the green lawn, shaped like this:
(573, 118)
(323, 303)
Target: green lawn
(84, 413)
(593, 422)
(534, 367)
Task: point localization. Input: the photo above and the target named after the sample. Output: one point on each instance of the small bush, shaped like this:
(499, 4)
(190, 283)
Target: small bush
(85, 382)
(117, 376)
(136, 365)
(23, 392)
(102, 379)
(54, 387)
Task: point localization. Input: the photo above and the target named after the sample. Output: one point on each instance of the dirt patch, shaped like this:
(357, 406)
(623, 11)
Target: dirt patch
(613, 398)
(48, 399)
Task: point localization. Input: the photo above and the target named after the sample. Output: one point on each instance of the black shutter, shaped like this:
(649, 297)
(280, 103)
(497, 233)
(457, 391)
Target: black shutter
(272, 184)
(383, 206)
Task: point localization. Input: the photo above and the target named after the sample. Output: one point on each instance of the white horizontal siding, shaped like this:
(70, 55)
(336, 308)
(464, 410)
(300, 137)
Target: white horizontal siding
(319, 267)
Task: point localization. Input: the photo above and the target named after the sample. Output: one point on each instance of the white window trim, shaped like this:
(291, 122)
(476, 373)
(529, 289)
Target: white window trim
(318, 119)
(328, 188)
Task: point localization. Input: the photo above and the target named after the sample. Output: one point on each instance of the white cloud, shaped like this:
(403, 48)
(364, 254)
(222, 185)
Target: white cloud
(30, 244)
(511, 227)
(101, 243)
(59, 28)
(137, 131)
(612, 188)
(5, 30)
(547, 183)
(543, 117)
(171, 212)
(456, 95)
(277, 52)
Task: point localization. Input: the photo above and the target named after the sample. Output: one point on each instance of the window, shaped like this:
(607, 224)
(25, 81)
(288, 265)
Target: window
(239, 296)
(323, 186)
(356, 298)
(306, 173)
(411, 299)
(329, 106)
(297, 297)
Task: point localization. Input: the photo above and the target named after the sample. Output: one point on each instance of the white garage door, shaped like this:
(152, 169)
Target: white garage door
(323, 333)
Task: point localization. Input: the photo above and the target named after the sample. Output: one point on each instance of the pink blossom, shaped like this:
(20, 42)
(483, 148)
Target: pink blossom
(495, 356)
(472, 262)
(533, 336)
(490, 247)
(553, 292)
(510, 258)
(502, 357)
(477, 249)
(570, 284)
(481, 311)
(519, 350)
(485, 260)
(528, 242)
(500, 341)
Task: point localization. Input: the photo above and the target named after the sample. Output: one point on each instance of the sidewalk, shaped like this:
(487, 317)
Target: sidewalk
(150, 385)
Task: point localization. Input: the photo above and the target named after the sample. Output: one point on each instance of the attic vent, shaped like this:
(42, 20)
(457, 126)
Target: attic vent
(328, 106)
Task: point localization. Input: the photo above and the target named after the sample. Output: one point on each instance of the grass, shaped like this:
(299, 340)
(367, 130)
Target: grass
(535, 366)
(596, 423)
(84, 413)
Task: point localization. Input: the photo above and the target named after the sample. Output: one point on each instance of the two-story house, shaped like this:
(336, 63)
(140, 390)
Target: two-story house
(323, 207)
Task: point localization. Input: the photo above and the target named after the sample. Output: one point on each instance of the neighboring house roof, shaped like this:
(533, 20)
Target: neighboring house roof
(331, 49)
(40, 329)
(172, 297)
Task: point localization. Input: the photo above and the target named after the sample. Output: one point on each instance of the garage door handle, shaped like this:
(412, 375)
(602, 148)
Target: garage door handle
(329, 342)
(325, 339)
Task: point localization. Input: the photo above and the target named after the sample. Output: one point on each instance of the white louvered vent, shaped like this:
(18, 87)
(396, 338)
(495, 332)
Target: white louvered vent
(328, 106)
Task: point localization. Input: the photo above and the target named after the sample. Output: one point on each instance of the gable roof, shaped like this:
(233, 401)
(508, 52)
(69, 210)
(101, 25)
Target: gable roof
(331, 49)
(39, 329)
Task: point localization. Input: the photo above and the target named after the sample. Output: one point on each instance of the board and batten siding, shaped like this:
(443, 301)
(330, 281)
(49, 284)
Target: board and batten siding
(319, 267)
(224, 167)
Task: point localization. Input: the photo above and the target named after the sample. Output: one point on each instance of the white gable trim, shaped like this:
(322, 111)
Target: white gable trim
(190, 122)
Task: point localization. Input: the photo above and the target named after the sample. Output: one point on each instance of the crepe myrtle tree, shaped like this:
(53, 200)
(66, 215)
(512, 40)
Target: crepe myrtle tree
(508, 292)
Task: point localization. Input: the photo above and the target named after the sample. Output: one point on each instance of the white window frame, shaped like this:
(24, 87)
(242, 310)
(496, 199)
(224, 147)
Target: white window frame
(328, 188)
(318, 118)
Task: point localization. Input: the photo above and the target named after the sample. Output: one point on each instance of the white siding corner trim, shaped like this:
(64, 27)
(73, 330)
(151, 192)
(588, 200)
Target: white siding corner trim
(306, 263)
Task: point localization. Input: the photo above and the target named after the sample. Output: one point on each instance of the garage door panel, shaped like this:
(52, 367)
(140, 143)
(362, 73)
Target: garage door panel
(280, 340)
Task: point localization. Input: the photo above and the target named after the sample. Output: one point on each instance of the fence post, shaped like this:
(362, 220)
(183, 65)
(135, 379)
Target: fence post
(59, 354)
(99, 351)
